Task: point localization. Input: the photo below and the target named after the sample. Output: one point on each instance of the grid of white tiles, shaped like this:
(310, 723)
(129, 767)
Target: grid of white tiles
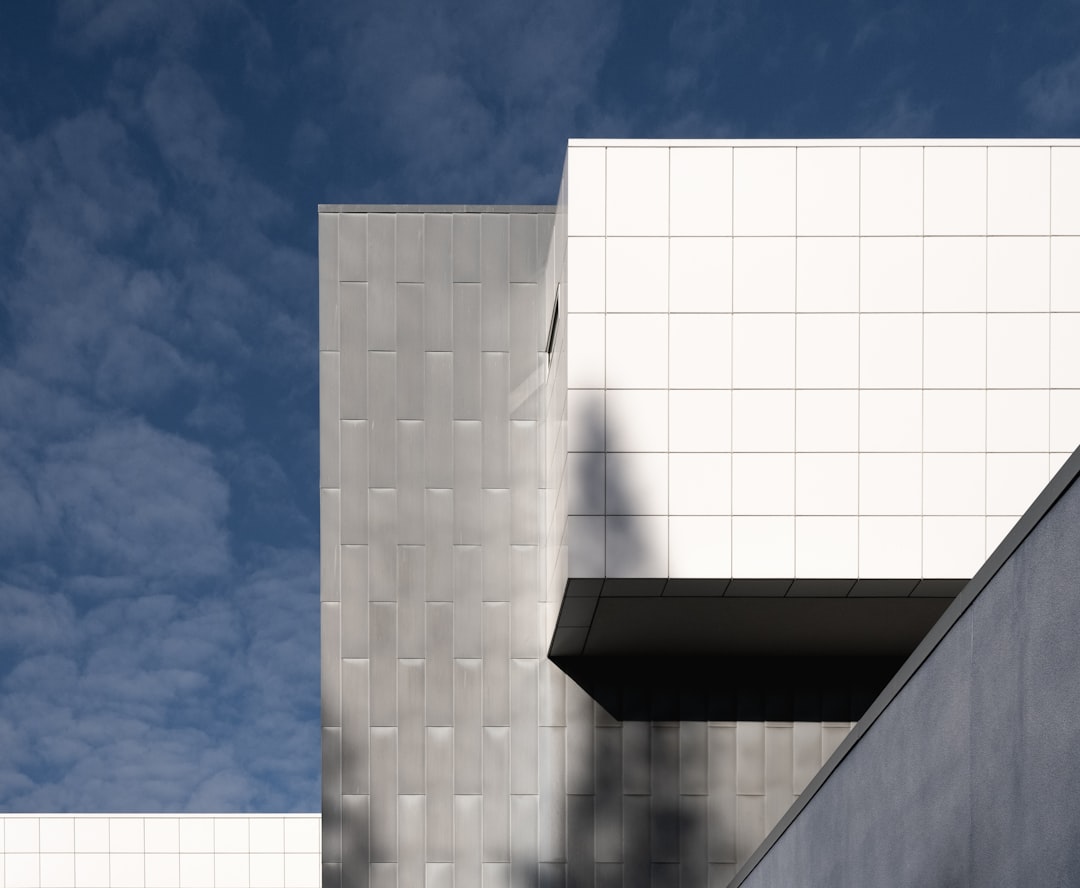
(816, 360)
(159, 851)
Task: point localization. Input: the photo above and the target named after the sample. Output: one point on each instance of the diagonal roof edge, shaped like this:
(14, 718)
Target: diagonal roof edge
(1042, 504)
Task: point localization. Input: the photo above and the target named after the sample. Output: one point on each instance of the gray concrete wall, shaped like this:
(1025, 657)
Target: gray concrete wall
(454, 751)
(967, 776)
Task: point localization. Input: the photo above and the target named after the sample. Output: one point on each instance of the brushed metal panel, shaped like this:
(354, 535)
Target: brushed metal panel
(495, 413)
(525, 483)
(383, 663)
(637, 758)
(438, 875)
(609, 794)
(381, 290)
(580, 752)
(384, 875)
(466, 248)
(410, 247)
(749, 825)
(523, 263)
(525, 605)
(552, 875)
(410, 499)
(468, 508)
(496, 792)
(438, 283)
(693, 758)
(440, 660)
(467, 601)
(411, 726)
(722, 792)
(693, 840)
(331, 794)
(523, 840)
(779, 760)
(636, 840)
(494, 279)
(354, 481)
(665, 793)
(609, 875)
(354, 601)
(353, 351)
(438, 418)
(355, 847)
(328, 281)
(806, 754)
(750, 758)
(355, 724)
(580, 838)
(330, 544)
(496, 657)
(553, 683)
(412, 623)
(526, 339)
(468, 733)
(329, 416)
(352, 246)
(382, 544)
(467, 351)
(524, 725)
(411, 850)
(382, 413)
(496, 545)
(440, 793)
(330, 645)
(384, 794)
(410, 351)
(331, 875)
(467, 827)
(552, 801)
(438, 544)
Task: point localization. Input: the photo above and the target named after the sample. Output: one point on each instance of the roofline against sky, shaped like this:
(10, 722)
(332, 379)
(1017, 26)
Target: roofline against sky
(436, 208)
(822, 143)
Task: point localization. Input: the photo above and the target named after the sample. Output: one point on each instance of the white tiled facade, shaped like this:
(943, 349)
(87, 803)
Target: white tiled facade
(819, 360)
(159, 851)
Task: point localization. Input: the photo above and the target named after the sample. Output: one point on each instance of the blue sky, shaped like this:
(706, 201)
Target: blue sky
(160, 167)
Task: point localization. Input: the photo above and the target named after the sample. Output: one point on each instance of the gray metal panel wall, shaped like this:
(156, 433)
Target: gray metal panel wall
(968, 774)
(454, 751)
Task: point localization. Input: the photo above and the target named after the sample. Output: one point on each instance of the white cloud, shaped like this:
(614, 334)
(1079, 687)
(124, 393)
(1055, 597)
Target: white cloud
(1052, 95)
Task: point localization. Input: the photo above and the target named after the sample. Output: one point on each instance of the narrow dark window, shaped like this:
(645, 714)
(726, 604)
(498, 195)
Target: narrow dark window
(554, 327)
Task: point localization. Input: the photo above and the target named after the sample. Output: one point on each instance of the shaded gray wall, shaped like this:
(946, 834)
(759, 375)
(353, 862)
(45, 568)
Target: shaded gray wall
(454, 751)
(968, 776)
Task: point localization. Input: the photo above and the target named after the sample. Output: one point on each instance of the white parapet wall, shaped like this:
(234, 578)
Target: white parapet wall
(815, 359)
(160, 851)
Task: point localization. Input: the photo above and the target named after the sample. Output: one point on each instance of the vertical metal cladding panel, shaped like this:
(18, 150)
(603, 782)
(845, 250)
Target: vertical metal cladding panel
(468, 615)
(552, 802)
(383, 616)
(381, 316)
(384, 794)
(330, 642)
(331, 795)
(495, 412)
(524, 726)
(525, 630)
(466, 248)
(354, 351)
(523, 844)
(410, 247)
(525, 374)
(355, 726)
(382, 544)
(496, 545)
(468, 730)
(693, 840)
(411, 726)
(411, 844)
(330, 544)
(721, 813)
(354, 481)
(331, 875)
(468, 499)
(496, 791)
(580, 842)
(467, 829)
(637, 841)
(439, 787)
(440, 663)
(329, 416)
(410, 351)
(580, 737)
(496, 668)
(494, 281)
(665, 793)
(523, 264)
(355, 845)
(439, 544)
(524, 492)
(352, 246)
(382, 413)
(354, 602)
(438, 419)
(328, 281)
(410, 505)
(438, 283)
(412, 623)
(609, 795)
(693, 758)
(467, 391)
